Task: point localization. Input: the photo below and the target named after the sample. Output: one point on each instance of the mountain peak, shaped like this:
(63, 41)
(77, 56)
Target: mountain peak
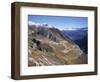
(42, 25)
(48, 46)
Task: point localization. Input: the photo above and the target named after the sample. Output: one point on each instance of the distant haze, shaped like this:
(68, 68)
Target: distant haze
(60, 22)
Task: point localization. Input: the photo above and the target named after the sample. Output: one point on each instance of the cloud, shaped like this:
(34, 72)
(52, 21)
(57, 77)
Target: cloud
(72, 29)
(33, 23)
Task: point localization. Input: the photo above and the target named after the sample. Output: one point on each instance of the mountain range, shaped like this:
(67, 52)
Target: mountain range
(79, 36)
(49, 46)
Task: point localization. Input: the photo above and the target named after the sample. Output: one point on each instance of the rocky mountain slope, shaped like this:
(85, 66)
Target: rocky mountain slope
(48, 46)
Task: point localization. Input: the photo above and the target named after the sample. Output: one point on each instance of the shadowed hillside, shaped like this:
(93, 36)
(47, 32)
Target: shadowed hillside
(79, 36)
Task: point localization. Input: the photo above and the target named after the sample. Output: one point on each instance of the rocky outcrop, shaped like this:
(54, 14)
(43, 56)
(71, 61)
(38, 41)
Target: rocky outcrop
(48, 46)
